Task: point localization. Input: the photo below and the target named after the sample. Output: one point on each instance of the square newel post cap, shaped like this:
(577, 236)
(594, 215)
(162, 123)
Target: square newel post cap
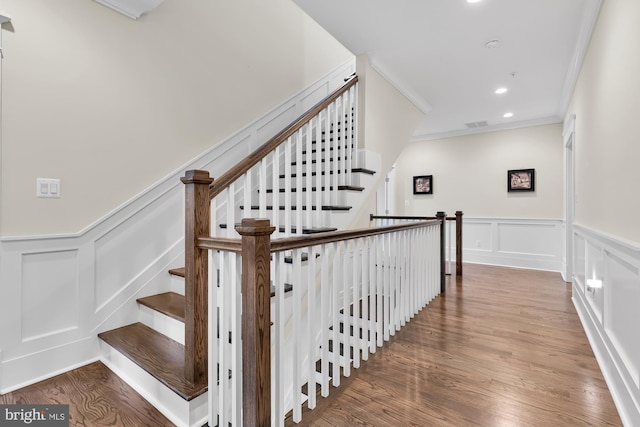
(255, 227)
(196, 177)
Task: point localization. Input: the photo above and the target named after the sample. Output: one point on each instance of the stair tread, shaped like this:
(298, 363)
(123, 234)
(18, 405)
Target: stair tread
(305, 230)
(340, 188)
(168, 303)
(355, 170)
(304, 208)
(177, 271)
(157, 354)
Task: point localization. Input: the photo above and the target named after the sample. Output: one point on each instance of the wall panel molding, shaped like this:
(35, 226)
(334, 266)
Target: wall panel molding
(521, 243)
(88, 282)
(610, 314)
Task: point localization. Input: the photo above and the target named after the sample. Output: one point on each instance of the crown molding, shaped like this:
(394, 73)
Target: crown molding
(496, 128)
(133, 9)
(589, 20)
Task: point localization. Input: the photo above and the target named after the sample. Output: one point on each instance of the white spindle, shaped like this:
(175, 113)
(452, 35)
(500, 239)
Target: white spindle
(246, 195)
(307, 132)
(279, 339)
(262, 186)
(275, 186)
(355, 285)
(214, 348)
(287, 187)
(346, 308)
(325, 289)
(300, 183)
(335, 350)
(296, 348)
(231, 210)
(311, 327)
(365, 298)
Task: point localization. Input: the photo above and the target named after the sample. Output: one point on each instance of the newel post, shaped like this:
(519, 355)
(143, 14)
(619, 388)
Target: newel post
(458, 243)
(256, 321)
(197, 224)
(443, 219)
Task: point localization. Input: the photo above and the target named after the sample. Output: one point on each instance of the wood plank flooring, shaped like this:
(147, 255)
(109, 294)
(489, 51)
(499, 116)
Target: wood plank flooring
(502, 347)
(96, 398)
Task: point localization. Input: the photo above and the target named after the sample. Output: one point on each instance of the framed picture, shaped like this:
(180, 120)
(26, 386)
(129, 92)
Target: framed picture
(423, 184)
(521, 180)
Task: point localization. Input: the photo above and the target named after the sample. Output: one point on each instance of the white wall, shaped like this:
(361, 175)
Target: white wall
(606, 102)
(111, 105)
(387, 121)
(470, 174)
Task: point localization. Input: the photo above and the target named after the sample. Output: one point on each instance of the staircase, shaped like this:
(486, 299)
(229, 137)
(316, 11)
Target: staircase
(309, 187)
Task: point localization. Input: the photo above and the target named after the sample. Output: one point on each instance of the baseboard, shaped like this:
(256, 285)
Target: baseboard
(32, 368)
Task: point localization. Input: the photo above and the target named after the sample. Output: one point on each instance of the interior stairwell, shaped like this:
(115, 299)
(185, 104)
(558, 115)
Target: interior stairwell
(308, 192)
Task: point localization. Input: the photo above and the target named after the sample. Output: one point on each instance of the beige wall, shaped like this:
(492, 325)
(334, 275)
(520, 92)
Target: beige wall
(606, 103)
(470, 174)
(110, 105)
(386, 125)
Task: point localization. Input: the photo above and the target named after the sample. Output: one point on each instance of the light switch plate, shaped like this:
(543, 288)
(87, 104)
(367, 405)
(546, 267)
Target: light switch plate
(48, 188)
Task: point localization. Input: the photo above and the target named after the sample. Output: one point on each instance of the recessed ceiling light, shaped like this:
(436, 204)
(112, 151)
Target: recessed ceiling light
(508, 115)
(501, 90)
(473, 1)
(492, 44)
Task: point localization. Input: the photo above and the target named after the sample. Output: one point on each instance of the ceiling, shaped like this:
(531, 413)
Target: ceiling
(434, 51)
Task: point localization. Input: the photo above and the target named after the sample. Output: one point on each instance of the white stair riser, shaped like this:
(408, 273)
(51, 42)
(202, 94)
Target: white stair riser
(181, 412)
(166, 325)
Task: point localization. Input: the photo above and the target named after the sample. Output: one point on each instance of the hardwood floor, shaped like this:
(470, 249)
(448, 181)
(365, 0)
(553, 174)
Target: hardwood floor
(96, 397)
(502, 347)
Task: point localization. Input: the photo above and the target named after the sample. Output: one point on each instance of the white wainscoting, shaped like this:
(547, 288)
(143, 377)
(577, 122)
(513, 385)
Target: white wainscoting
(522, 243)
(58, 292)
(610, 315)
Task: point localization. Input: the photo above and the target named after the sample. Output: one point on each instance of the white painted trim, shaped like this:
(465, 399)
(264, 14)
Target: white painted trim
(495, 128)
(618, 367)
(589, 20)
(133, 9)
(535, 250)
(419, 102)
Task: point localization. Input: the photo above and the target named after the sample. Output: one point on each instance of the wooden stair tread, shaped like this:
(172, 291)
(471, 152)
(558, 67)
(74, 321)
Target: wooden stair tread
(340, 188)
(177, 272)
(168, 303)
(157, 354)
(282, 229)
(354, 170)
(304, 208)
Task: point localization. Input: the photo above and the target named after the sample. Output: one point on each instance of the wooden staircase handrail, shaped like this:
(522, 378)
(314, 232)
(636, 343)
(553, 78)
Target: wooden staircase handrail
(224, 180)
(297, 242)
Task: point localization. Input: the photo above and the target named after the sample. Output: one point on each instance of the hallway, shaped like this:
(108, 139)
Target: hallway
(502, 347)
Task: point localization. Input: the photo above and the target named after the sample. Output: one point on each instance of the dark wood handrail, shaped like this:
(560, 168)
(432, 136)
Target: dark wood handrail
(408, 218)
(297, 242)
(224, 180)
(289, 243)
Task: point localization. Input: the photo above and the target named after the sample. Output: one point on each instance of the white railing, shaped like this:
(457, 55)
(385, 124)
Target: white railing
(453, 236)
(297, 180)
(351, 291)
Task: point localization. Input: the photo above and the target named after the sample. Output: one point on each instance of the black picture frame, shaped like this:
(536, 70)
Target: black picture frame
(521, 180)
(423, 184)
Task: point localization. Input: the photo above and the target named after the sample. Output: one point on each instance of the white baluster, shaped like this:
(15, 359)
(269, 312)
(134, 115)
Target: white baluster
(214, 392)
(262, 187)
(279, 339)
(335, 308)
(365, 298)
(296, 320)
(275, 185)
(356, 268)
(297, 137)
(325, 289)
(287, 187)
(311, 326)
(346, 307)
